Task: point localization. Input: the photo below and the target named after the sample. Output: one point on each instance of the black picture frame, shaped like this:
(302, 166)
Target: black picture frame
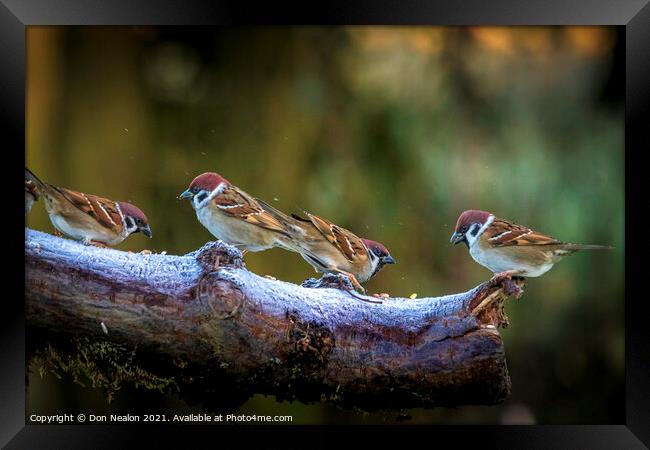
(632, 15)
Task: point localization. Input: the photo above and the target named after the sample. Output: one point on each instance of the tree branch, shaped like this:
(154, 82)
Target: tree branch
(234, 330)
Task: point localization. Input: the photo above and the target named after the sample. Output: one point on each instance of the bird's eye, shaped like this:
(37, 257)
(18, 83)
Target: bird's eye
(464, 229)
(195, 189)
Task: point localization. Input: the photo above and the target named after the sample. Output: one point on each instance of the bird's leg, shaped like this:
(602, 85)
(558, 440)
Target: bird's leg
(353, 280)
(243, 252)
(506, 281)
(356, 285)
(88, 241)
(57, 233)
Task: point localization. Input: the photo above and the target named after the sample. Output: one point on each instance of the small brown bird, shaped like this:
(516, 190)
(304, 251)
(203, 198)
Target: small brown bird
(31, 195)
(508, 249)
(331, 248)
(88, 218)
(234, 216)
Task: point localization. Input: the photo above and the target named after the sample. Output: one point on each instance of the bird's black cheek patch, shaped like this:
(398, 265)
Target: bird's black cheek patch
(474, 230)
(200, 197)
(380, 265)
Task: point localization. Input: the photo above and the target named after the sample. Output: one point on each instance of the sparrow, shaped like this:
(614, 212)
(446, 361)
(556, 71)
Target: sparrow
(329, 248)
(508, 249)
(31, 195)
(89, 218)
(235, 217)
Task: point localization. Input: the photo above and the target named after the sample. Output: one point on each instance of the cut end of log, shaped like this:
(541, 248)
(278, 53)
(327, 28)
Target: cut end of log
(488, 305)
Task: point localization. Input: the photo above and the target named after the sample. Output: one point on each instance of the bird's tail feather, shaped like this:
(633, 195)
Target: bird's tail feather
(46, 190)
(588, 247)
(290, 224)
(275, 212)
(29, 176)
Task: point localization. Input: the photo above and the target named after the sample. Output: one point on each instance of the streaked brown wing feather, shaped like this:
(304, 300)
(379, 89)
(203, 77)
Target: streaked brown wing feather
(237, 203)
(349, 244)
(103, 210)
(502, 233)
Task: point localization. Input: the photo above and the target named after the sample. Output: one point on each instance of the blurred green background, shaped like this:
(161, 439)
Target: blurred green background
(388, 131)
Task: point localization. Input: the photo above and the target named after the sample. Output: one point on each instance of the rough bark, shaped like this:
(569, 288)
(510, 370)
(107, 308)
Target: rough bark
(236, 331)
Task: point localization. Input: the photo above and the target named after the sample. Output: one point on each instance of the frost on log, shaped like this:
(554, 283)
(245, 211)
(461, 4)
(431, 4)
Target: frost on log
(221, 332)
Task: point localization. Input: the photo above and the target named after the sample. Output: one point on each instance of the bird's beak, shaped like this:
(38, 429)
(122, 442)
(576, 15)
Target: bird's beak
(186, 194)
(457, 237)
(388, 260)
(146, 231)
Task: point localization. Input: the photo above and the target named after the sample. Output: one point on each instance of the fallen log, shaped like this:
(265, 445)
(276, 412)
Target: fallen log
(228, 329)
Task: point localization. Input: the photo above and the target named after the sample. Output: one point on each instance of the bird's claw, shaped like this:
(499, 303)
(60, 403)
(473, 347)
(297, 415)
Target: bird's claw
(357, 288)
(509, 286)
(363, 299)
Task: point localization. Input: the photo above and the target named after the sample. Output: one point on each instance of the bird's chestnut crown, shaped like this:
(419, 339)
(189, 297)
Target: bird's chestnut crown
(133, 211)
(469, 217)
(206, 182)
(378, 249)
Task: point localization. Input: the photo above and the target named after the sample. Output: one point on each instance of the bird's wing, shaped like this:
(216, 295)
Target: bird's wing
(103, 210)
(349, 244)
(238, 204)
(502, 233)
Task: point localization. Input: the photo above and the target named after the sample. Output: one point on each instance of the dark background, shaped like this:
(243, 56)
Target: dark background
(388, 131)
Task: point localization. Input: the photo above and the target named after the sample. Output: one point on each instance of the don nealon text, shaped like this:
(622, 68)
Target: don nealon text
(193, 418)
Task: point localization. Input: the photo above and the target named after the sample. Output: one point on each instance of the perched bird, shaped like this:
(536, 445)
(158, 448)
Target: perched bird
(31, 195)
(236, 217)
(508, 249)
(331, 248)
(88, 218)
